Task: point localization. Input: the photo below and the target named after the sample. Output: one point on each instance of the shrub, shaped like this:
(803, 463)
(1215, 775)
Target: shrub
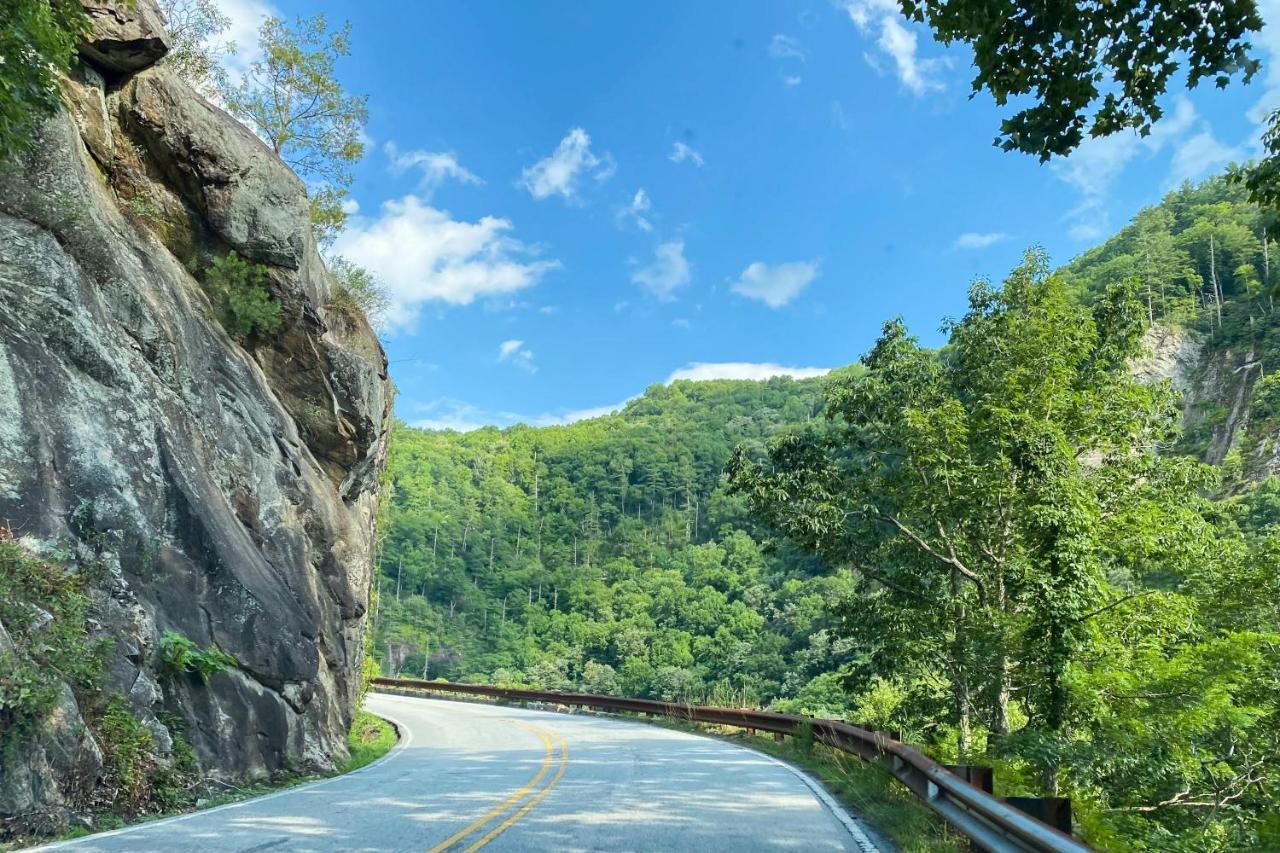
(180, 654)
(239, 291)
(357, 292)
(129, 759)
(43, 610)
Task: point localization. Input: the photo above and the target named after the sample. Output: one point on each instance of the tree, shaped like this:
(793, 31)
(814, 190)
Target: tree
(196, 47)
(293, 99)
(990, 495)
(37, 41)
(1072, 56)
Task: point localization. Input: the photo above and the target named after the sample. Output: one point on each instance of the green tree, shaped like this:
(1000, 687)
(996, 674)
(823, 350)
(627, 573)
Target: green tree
(1070, 57)
(293, 99)
(37, 41)
(197, 47)
(239, 290)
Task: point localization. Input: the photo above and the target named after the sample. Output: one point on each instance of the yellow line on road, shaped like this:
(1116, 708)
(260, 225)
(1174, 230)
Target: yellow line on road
(508, 802)
(539, 797)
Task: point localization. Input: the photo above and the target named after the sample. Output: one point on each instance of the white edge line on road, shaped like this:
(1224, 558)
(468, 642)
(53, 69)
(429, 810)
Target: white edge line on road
(849, 822)
(406, 737)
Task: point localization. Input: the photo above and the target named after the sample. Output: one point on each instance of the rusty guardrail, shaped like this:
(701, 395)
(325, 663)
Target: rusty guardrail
(990, 823)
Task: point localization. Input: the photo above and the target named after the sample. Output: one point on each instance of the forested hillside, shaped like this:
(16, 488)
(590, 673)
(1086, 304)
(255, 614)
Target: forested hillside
(605, 553)
(1050, 546)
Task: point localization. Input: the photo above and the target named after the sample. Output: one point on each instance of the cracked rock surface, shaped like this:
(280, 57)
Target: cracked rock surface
(224, 489)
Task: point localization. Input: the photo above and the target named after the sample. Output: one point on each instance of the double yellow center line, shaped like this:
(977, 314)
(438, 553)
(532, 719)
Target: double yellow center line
(522, 800)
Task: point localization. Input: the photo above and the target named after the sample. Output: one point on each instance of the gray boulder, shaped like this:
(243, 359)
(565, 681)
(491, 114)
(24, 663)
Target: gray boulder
(126, 36)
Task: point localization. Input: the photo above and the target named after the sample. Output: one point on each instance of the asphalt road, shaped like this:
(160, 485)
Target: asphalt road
(466, 776)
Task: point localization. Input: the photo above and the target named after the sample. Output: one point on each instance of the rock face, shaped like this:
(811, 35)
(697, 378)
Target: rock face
(225, 490)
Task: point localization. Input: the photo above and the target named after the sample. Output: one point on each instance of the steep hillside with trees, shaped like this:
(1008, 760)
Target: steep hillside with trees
(1048, 546)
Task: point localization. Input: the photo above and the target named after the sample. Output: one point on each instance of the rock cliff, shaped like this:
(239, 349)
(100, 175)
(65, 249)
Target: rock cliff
(219, 488)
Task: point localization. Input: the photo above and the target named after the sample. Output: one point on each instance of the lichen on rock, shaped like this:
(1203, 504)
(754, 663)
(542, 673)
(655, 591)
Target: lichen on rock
(224, 490)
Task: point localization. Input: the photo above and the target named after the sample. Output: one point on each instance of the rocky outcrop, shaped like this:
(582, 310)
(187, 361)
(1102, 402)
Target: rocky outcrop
(224, 490)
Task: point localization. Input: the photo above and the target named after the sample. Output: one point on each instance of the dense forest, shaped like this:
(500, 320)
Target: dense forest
(1014, 549)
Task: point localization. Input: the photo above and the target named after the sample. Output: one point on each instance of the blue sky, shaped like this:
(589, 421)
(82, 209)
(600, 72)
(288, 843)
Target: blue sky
(572, 201)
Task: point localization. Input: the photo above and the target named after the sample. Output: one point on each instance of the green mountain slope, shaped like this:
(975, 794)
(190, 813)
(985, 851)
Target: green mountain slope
(604, 553)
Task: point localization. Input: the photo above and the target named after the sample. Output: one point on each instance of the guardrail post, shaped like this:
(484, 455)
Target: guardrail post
(779, 737)
(1055, 811)
(976, 775)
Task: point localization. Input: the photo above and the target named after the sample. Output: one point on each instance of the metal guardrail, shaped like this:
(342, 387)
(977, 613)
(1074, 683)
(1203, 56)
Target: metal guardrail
(990, 823)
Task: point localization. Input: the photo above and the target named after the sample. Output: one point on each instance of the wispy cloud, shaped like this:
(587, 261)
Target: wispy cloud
(775, 286)
(883, 21)
(422, 254)
(975, 240)
(636, 212)
(515, 352)
(786, 47)
(435, 166)
(1094, 168)
(668, 273)
(560, 172)
(681, 152)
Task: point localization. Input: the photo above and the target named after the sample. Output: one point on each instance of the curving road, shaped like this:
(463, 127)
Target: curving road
(467, 776)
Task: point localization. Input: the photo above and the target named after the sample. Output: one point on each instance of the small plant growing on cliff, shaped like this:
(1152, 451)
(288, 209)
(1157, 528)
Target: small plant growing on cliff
(239, 289)
(181, 654)
(357, 292)
(43, 611)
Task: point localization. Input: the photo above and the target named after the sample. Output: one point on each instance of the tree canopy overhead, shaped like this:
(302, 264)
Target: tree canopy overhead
(1113, 59)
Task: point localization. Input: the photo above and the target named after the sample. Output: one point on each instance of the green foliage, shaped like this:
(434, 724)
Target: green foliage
(357, 292)
(136, 778)
(1046, 586)
(129, 759)
(292, 98)
(239, 290)
(370, 738)
(604, 555)
(43, 612)
(180, 655)
(1069, 58)
(196, 44)
(37, 41)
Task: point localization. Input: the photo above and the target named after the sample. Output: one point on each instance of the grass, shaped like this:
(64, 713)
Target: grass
(371, 737)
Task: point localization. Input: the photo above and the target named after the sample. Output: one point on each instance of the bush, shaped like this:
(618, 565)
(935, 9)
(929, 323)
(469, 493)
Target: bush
(129, 759)
(239, 291)
(43, 609)
(180, 654)
(357, 292)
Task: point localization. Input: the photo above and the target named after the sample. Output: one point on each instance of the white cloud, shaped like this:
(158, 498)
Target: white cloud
(246, 17)
(350, 206)
(793, 79)
(681, 152)
(668, 273)
(1199, 156)
(1094, 167)
(436, 167)
(785, 47)
(450, 414)
(974, 240)
(778, 285)
(636, 211)
(422, 254)
(882, 19)
(558, 173)
(701, 370)
(1268, 43)
(515, 352)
